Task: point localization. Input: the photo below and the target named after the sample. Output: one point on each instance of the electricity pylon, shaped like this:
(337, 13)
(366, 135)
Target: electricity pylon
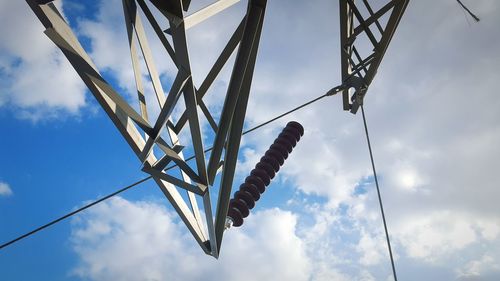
(156, 142)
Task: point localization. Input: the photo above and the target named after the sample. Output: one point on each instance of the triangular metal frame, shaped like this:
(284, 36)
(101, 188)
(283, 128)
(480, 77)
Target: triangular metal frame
(142, 134)
(358, 70)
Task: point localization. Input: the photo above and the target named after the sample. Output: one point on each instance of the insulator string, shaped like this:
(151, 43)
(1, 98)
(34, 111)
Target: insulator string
(265, 170)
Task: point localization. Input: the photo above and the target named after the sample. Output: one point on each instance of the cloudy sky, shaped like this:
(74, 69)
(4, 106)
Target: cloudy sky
(434, 118)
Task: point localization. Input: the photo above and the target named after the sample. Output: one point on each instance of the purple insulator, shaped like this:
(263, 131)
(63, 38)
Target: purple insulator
(265, 170)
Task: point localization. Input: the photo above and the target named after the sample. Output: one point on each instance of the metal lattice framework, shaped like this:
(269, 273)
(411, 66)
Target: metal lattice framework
(363, 28)
(156, 142)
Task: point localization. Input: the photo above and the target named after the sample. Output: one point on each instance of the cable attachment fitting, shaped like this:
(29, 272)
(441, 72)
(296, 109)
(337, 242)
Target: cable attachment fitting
(360, 89)
(265, 170)
(335, 90)
(357, 98)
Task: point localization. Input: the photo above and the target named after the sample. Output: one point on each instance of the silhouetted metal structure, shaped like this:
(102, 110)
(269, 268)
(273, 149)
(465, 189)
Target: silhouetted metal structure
(365, 34)
(357, 20)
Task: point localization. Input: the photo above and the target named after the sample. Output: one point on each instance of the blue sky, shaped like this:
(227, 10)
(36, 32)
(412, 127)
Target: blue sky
(433, 114)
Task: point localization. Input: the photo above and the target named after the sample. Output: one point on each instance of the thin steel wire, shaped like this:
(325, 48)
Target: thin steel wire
(74, 212)
(286, 113)
(379, 196)
(146, 178)
(468, 11)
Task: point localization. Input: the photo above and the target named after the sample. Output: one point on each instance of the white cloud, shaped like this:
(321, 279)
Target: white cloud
(476, 268)
(489, 228)
(124, 240)
(121, 240)
(371, 248)
(432, 236)
(5, 189)
(433, 115)
(433, 119)
(37, 81)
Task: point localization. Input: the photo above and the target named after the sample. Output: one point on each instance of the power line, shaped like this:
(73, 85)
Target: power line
(288, 112)
(74, 212)
(468, 11)
(149, 177)
(379, 196)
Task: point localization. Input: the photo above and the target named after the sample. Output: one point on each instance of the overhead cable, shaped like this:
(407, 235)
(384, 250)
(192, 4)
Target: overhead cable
(74, 212)
(148, 178)
(468, 11)
(379, 196)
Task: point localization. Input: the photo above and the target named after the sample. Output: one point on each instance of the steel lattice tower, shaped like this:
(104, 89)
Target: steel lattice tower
(358, 67)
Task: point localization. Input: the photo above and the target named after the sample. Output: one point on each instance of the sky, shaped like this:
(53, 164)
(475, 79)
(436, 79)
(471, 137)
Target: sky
(433, 113)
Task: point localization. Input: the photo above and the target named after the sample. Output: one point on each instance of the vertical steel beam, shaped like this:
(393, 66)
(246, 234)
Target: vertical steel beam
(146, 52)
(240, 67)
(166, 109)
(345, 49)
(215, 70)
(239, 89)
(157, 29)
(135, 60)
(182, 58)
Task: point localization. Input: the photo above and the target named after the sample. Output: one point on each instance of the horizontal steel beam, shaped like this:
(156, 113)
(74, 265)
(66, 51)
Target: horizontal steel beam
(207, 12)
